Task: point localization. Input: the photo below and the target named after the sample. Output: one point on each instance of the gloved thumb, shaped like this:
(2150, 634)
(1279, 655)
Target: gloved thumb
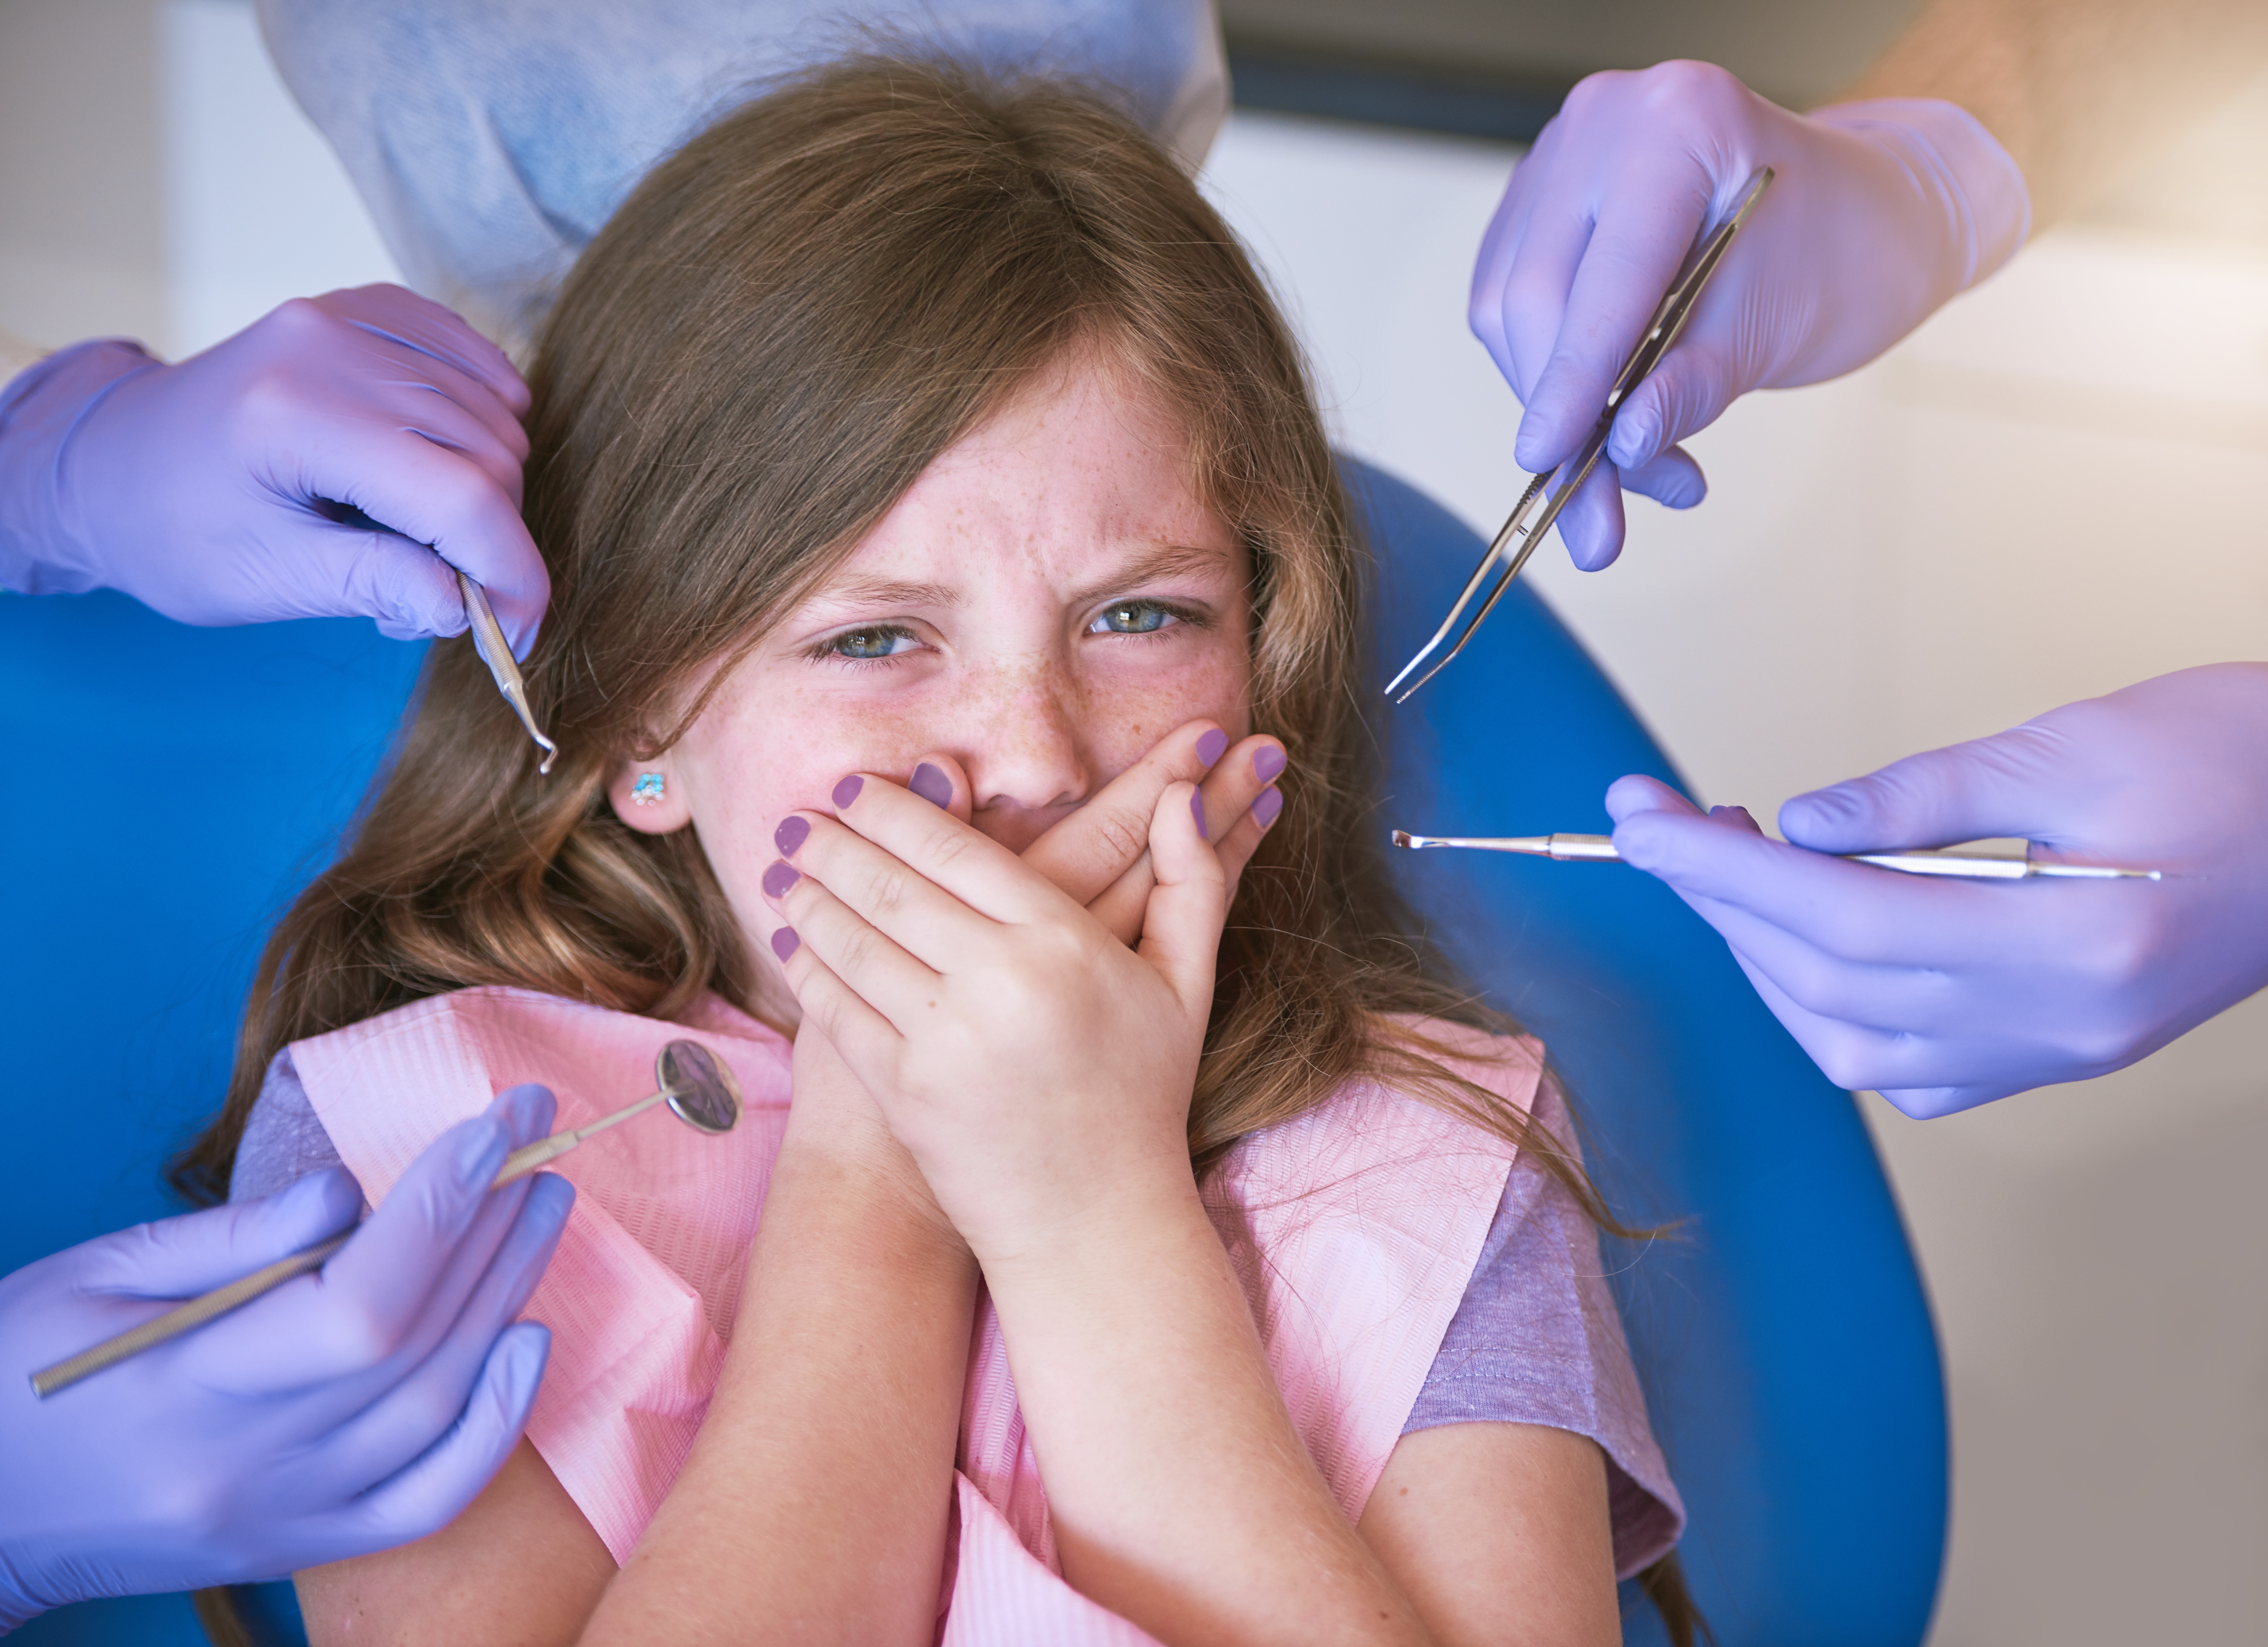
(174, 1258)
(1986, 788)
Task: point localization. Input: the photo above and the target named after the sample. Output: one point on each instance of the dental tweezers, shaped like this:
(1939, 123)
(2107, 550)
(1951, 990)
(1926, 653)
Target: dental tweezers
(1520, 536)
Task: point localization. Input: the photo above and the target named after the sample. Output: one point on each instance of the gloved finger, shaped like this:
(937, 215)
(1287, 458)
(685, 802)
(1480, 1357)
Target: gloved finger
(177, 1258)
(434, 1490)
(1672, 479)
(341, 570)
(1859, 1059)
(1591, 525)
(1627, 797)
(1527, 263)
(1927, 1103)
(1972, 791)
(1646, 221)
(419, 323)
(394, 1289)
(1684, 394)
(430, 495)
(1852, 911)
(406, 1418)
(1924, 1002)
(496, 445)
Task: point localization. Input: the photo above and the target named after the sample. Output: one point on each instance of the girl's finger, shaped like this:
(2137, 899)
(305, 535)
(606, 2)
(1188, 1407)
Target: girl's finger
(866, 960)
(975, 872)
(1234, 787)
(1099, 849)
(938, 778)
(1243, 802)
(1181, 932)
(869, 1043)
(921, 919)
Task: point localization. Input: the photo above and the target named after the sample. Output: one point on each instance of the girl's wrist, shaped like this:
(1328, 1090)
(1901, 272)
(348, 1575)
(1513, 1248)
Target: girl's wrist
(1133, 1236)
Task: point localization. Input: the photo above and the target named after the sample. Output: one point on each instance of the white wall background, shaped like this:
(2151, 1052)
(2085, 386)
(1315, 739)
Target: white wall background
(2049, 492)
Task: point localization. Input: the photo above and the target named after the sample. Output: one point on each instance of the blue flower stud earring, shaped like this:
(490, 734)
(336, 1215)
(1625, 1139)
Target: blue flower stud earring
(647, 790)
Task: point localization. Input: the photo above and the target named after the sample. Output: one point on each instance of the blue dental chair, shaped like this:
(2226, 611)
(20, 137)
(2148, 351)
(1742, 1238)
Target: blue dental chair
(176, 786)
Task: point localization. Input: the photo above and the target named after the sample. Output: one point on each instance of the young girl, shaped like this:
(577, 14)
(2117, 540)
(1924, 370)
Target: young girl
(952, 656)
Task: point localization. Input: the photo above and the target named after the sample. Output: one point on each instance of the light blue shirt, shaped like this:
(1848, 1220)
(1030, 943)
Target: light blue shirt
(491, 138)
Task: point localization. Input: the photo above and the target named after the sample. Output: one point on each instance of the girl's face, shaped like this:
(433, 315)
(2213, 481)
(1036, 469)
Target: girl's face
(1043, 604)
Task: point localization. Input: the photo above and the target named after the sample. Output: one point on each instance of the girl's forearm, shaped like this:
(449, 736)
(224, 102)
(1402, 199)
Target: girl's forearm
(814, 1504)
(1182, 1496)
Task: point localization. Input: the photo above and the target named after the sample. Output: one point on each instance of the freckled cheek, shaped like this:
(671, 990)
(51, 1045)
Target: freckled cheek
(760, 763)
(1127, 713)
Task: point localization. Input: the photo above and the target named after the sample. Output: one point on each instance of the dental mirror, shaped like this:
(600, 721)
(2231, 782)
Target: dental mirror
(695, 1084)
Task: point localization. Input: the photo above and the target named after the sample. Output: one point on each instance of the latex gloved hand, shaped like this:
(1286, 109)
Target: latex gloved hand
(202, 488)
(1880, 211)
(1944, 993)
(345, 1412)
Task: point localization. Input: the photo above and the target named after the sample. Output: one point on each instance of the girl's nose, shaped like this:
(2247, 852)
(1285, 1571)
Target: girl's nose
(1026, 758)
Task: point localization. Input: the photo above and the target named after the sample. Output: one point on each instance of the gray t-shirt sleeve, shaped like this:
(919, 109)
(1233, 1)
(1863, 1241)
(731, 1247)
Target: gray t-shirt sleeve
(1537, 1341)
(283, 1141)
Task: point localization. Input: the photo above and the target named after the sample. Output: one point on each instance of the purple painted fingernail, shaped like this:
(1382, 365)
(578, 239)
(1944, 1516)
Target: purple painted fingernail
(785, 943)
(847, 790)
(1211, 746)
(1265, 809)
(929, 782)
(1197, 810)
(1267, 761)
(791, 834)
(779, 878)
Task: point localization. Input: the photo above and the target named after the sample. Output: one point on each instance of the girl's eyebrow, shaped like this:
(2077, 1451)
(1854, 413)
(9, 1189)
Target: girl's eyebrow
(1167, 560)
(888, 591)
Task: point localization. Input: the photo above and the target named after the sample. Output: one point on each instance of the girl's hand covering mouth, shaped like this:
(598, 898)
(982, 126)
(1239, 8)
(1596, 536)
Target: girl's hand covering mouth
(1100, 855)
(1037, 1070)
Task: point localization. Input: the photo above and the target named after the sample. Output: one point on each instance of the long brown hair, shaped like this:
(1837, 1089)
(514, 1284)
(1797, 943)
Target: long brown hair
(775, 336)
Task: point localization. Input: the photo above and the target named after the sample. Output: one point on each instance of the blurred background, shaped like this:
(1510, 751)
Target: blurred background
(1933, 549)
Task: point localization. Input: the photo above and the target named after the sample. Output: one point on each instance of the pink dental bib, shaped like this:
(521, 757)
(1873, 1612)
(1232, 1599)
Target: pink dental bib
(1354, 1228)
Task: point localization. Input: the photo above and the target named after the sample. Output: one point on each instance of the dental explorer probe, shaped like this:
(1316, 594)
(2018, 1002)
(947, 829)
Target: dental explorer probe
(1600, 849)
(488, 641)
(1660, 333)
(488, 636)
(695, 1084)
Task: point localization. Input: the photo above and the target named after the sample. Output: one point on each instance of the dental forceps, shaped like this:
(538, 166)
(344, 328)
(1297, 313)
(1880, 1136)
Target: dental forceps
(1600, 849)
(695, 1084)
(1518, 538)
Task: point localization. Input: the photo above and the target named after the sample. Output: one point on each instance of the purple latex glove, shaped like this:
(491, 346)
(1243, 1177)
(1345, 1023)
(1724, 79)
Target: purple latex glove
(345, 1412)
(1942, 994)
(1880, 211)
(208, 489)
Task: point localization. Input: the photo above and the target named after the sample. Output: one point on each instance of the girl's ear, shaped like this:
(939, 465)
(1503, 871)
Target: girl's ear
(647, 797)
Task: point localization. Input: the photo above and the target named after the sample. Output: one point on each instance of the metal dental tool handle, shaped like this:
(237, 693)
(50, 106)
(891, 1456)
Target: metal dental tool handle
(1518, 536)
(488, 640)
(1599, 849)
(697, 1084)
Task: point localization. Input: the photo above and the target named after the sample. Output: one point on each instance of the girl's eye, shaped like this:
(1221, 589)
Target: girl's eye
(882, 641)
(1132, 617)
